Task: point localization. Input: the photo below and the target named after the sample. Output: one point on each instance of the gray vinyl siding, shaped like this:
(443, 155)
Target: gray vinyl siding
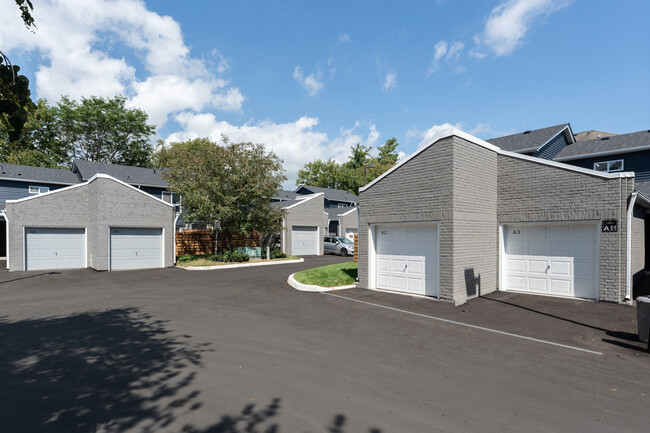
(552, 148)
(535, 192)
(308, 213)
(638, 243)
(14, 190)
(638, 162)
(96, 206)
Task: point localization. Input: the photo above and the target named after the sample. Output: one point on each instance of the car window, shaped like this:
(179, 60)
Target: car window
(345, 240)
(328, 239)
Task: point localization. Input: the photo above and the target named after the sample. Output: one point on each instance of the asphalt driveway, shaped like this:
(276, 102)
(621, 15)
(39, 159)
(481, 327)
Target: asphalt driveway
(240, 351)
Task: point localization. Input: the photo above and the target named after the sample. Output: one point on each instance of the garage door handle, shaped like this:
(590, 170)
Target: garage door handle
(547, 269)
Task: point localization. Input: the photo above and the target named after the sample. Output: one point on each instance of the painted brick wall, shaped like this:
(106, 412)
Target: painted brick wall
(534, 192)
(308, 213)
(475, 239)
(96, 206)
(348, 221)
(420, 190)
(638, 243)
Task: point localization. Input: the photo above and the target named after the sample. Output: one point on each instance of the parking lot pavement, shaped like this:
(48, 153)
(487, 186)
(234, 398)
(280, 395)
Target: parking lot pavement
(240, 351)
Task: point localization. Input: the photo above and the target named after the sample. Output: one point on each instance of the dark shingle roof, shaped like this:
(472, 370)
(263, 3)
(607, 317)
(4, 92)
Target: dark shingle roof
(125, 173)
(623, 142)
(528, 139)
(332, 194)
(283, 194)
(37, 174)
(284, 203)
(643, 187)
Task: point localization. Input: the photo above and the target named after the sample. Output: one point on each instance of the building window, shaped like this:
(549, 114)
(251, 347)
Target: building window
(609, 166)
(38, 189)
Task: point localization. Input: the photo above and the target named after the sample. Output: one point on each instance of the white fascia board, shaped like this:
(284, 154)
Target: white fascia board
(36, 181)
(98, 175)
(603, 153)
(307, 198)
(348, 212)
(464, 135)
(451, 132)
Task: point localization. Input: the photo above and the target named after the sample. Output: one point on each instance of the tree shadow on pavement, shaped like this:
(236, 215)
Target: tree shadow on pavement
(252, 419)
(109, 371)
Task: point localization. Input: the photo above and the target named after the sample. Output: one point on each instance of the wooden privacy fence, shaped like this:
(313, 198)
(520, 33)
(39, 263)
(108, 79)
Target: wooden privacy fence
(194, 242)
(356, 247)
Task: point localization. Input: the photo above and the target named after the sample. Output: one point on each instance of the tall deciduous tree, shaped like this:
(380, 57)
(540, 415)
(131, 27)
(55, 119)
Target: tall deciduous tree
(104, 130)
(226, 182)
(388, 151)
(325, 174)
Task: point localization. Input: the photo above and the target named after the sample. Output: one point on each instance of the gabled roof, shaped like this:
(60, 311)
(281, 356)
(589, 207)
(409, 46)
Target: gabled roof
(454, 132)
(332, 194)
(28, 173)
(605, 146)
(283, 194)
(592, 135)
(300, 199)
(530, 141)
(131, 175)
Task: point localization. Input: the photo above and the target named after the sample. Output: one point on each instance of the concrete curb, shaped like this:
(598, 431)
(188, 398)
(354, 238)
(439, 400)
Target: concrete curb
(311, 288)
(241, 265)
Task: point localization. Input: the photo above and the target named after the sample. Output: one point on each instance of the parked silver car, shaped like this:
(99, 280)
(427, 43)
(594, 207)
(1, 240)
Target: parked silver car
(338, 245)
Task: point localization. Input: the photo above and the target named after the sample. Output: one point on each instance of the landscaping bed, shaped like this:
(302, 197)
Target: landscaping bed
(340, 274)
(213, 260)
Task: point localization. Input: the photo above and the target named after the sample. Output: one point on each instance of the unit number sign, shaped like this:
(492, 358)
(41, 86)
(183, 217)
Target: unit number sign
(610, 226)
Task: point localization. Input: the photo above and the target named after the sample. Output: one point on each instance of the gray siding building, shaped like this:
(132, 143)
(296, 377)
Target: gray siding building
(462, 217)
(304, 225)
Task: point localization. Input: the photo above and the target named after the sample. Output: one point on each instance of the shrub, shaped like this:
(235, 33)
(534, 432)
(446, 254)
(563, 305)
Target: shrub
(276, 253)
(231, 256)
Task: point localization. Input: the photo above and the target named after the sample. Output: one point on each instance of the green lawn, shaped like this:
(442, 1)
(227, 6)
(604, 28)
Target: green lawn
(340, 274)
(208, 260)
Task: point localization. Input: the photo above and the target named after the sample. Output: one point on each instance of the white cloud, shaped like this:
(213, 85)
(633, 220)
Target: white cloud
(344, 37)
(433, 133)
(310, 82)
(74, 40)
(442, 51)
(390, 82)
(295, 142)
(509, 22)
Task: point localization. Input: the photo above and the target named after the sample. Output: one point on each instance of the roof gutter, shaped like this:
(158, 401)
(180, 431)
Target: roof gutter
(603, 153)
(628, 245)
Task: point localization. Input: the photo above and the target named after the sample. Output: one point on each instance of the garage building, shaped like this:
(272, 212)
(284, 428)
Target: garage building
(304, 225)
(461, 218)
(104, 224)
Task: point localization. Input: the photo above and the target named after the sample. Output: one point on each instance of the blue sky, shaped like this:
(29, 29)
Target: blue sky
(309, 81)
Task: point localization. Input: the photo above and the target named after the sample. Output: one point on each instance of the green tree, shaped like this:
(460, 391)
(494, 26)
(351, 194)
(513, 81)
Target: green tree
(15, 96)
(38, 143)
(359, 155)
(104, 130)
(324, 174)
(388, 151)
(230, 183)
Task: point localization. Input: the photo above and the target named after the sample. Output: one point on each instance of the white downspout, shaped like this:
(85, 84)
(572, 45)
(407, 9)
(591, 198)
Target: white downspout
(357, 245)
(628, 238)
(284, 229)
(174, 228)
(4, 214)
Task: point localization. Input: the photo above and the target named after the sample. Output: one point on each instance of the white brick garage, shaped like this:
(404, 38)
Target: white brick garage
(93, 207)
(473, 190)
(406, 258)
(553, 259)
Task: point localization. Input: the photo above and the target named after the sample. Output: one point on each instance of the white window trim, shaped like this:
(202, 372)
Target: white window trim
(39, 189)
(609, 163)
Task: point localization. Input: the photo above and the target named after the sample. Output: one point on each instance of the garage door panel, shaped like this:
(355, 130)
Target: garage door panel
(304, 240)
(136, 248)
(411, 251)
(55, 248)
(560, 259)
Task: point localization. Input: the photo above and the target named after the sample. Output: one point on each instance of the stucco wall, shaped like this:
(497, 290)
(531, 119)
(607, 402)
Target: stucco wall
(310, 212)
(96, 206)
(530, 191)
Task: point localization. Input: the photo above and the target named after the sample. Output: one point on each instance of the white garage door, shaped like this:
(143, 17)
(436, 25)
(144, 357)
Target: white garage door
(55, 248)
(555, 259)
(407, 258)
(136, 248)
(304, 241)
